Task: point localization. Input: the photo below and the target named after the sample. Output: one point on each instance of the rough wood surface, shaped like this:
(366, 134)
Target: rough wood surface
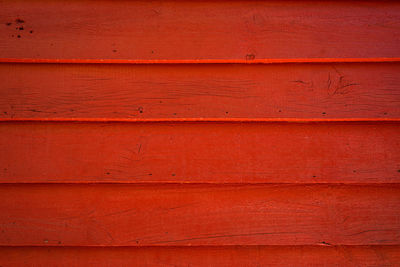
(168, 215)
(368, 90)
(187, 29)
(207, 189)
(202, 256)
(200, 152)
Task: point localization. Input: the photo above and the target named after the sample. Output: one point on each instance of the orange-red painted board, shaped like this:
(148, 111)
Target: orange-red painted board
(199, 61)
(187, 29)
(200, 152)
(168, 215)
(349, 90)
(202, 256)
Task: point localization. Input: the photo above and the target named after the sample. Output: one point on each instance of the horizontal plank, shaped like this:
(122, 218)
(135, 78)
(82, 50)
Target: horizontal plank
(170, 215)
(199, 61)
(200, 152)
(202, 256)
(189, 29)
(369, 90)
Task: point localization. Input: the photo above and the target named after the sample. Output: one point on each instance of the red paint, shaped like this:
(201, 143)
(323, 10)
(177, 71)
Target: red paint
(191, 30)
(201, 133)
(135, 152)
(203, 256)
(185, 215)
(292, 92)
(198, 61)
(169, 120)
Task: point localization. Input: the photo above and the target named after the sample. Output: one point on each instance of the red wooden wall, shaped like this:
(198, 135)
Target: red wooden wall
(199, 133)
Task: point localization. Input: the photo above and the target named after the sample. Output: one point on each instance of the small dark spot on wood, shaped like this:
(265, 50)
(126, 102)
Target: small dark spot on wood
(8, 23)
(140, 109)
(160, 101)
(18, 20)
(250, 57)
(226, 112)
(21, 28)
(398, 170)
(326, 243)
(114, 50)
(152, 51)
(71, 109)
(19, 36)
(174, 113)
(59, 242)
(5, 112)
(354, 171)
(173, 174)
(299, 81)
(314, 176)
(385, 113)
(30, 31)
(150, 174)
(107, 173)
(280, 110)
(323, 113)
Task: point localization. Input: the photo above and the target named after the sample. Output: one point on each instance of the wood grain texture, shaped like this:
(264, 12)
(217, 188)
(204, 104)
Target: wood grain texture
(369, 256)
(188, 29)
(168, 215)
(368, 90)
(224, 184)
(200, 152)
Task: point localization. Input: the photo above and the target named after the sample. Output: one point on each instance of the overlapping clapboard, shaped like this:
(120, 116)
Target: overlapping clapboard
(199, 132)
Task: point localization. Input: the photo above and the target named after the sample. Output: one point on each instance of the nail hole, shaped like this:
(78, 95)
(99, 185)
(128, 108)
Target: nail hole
(250, 57)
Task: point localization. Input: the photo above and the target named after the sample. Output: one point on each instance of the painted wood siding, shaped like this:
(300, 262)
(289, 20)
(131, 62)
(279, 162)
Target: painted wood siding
(199, 133)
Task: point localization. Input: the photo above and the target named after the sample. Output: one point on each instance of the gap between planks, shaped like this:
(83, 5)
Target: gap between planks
(327, 246)
(199, 61)
(133, 183)
(168, 120)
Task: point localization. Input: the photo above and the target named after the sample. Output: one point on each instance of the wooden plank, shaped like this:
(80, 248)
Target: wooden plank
(200, 152)
(200, 91)
(202, 256)
(170, 215)
(187, 29)
(200, 61)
